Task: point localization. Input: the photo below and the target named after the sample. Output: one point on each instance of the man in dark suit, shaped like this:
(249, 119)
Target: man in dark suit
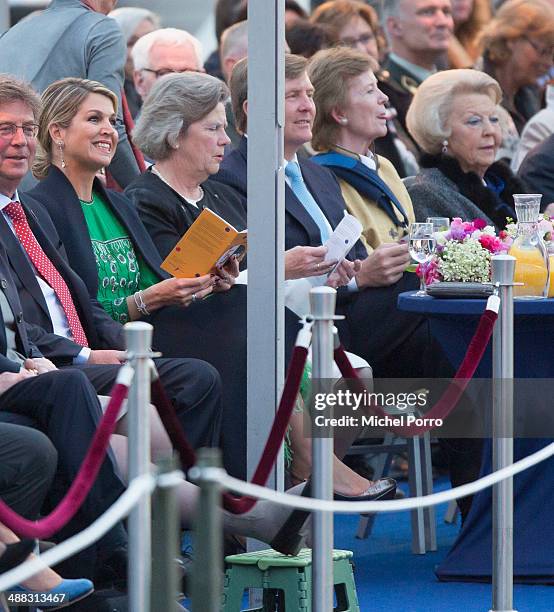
(536, 171)
(61, 403)
(373, 328)
(97, 348)
(419, 33)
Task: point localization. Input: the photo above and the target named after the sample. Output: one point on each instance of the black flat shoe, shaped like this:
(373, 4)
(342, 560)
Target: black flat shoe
(289, 538)
(15, 554)
(384, 488)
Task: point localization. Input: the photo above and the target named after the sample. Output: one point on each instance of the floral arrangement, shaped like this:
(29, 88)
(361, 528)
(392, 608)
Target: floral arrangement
(463, 252)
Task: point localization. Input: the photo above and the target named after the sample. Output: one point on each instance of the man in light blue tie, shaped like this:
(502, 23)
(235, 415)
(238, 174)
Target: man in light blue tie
(373, 328)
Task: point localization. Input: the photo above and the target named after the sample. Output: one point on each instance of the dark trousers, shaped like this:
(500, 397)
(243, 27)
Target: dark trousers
(27, 467)
(215, 330)
(65, 407)
(396, 344)
(193, 386)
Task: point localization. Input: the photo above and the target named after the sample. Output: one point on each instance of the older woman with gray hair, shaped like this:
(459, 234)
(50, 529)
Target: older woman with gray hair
(182, 128)
(455, 118)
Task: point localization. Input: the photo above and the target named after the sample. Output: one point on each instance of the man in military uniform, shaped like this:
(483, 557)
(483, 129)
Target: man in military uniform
(419, 32)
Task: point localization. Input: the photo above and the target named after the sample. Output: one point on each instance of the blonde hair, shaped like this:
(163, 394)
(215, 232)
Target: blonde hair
(516, 19)
(329, 71)
(60, 103)
(429, 112)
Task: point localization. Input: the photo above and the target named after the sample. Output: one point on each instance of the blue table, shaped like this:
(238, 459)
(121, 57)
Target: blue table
(453, 323)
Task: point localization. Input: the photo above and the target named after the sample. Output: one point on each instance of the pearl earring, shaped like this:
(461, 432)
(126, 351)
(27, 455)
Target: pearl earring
(343, 120)
(60, 147)
(444, 147)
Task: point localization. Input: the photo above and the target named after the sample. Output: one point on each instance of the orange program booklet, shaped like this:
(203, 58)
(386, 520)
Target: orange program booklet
(208, 244)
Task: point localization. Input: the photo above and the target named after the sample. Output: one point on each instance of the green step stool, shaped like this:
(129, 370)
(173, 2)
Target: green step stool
(286, 581)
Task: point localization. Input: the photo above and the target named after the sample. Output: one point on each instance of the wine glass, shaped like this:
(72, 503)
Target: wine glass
(440, 224)
(422, 247)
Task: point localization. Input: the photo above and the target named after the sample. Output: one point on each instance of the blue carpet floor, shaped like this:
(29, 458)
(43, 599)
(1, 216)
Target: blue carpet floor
(390, 578)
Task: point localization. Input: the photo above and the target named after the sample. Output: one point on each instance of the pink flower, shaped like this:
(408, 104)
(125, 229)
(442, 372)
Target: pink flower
(491, 243)
(479, 224)
(429, 270)
(457, 230)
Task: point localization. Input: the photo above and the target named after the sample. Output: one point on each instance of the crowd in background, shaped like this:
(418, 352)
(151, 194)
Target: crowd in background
(115, 135)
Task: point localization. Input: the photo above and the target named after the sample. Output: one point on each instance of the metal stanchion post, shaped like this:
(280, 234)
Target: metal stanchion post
(207, 586)
(322, 301)
(165, 540)
(138, 337)
(503, 267)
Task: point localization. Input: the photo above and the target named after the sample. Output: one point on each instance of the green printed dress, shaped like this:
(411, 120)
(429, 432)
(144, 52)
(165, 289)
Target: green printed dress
(120, 272)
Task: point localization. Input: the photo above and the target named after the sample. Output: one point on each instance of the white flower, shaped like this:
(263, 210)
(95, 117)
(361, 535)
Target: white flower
(465, 261)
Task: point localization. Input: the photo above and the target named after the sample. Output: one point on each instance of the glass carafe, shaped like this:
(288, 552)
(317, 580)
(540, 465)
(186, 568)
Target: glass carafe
(532, 262)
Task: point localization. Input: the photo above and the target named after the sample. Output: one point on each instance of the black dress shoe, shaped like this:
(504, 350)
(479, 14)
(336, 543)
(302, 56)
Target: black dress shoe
(289, 538)
(15, 554)
(384, 488)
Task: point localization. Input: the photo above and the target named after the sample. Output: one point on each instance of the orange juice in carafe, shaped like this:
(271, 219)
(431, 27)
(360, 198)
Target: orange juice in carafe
(530, 270)
(532, 261)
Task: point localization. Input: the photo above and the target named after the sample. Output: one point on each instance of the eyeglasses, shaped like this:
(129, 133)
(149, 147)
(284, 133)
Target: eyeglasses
(352, 42)
(540, 50)
(8, 130)
(164, 71)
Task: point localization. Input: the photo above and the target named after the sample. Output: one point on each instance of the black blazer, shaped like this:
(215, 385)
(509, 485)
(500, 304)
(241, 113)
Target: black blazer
(300, 228)
(23, 344)
(167, 216)
(102, 332)
(57, 195)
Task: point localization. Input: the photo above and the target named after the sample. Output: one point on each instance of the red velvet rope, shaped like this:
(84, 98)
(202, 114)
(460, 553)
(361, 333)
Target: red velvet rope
(82, 484)
(450, 397)
(239, 505)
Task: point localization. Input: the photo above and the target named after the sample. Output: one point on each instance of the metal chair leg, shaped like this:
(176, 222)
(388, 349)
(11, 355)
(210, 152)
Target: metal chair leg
(451, 513)
(429, 513)
(415, 480)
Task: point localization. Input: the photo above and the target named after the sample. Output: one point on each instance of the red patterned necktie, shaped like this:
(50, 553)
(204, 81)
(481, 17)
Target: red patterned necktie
(46, 269)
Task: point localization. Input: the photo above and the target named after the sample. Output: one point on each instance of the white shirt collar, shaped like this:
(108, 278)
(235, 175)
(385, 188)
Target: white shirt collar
(5, 200)
(369, 160)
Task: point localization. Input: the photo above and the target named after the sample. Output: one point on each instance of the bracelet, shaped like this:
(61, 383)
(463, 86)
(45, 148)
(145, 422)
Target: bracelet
(139, 302)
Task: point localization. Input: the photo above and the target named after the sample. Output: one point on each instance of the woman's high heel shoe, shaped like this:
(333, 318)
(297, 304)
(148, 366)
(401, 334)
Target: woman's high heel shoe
(71, 591)
(383, 488)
